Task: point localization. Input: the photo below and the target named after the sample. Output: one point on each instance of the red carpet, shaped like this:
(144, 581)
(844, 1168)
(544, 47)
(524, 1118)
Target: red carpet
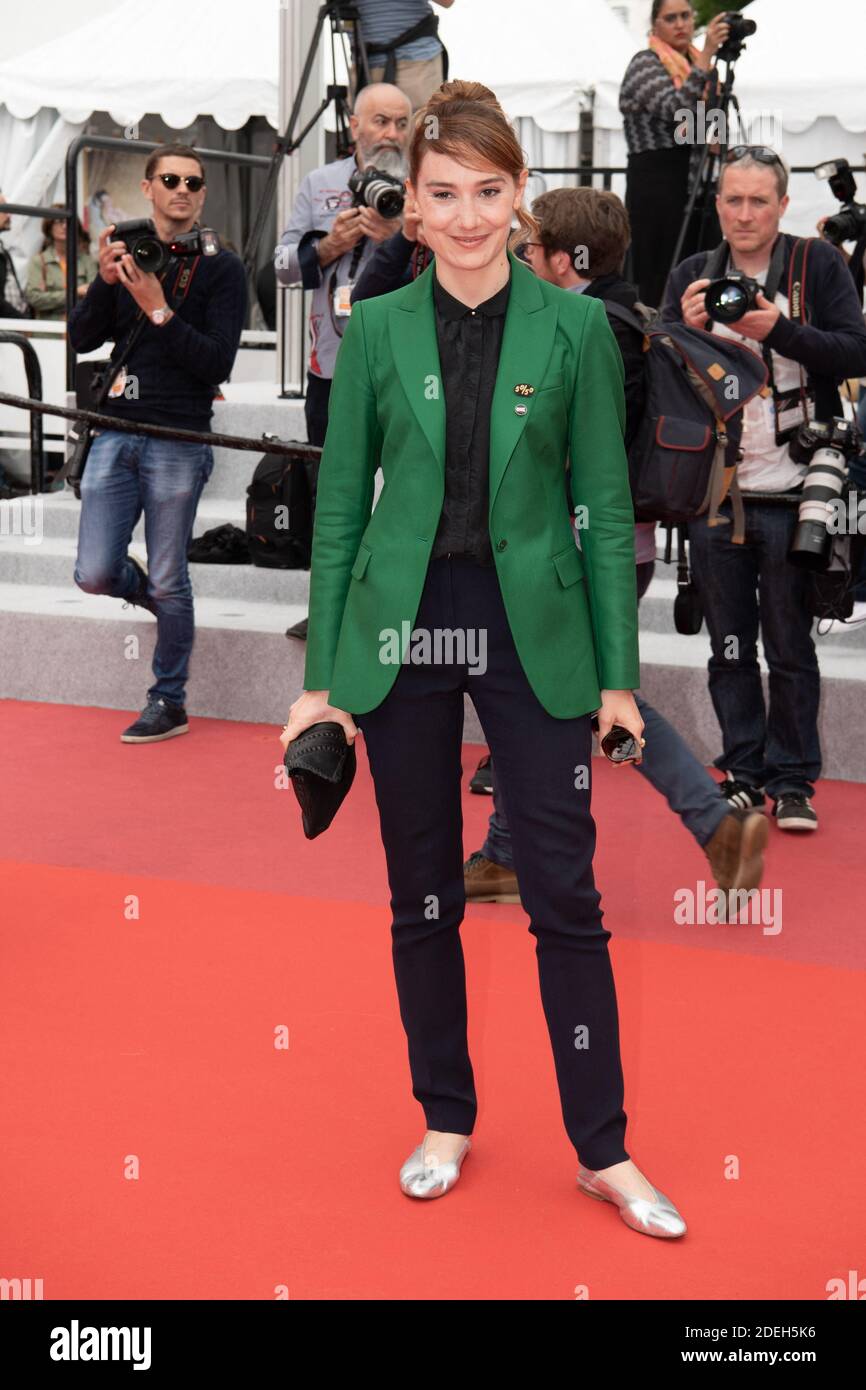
(148, 1039)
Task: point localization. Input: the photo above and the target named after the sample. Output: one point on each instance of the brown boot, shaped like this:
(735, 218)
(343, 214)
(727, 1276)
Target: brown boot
(487, 882)
(736, 851)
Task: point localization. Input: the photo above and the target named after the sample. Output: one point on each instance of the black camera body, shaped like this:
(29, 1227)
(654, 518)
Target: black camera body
(151, 254)
(726, 300)
(373, 188)
(849, 223)
(740, 30)
(826, 447)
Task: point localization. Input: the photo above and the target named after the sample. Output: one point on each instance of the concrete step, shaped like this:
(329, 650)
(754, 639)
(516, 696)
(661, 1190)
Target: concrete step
(64, 646)
(52, 562)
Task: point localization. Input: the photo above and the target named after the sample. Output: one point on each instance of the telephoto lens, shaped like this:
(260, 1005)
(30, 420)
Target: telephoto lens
(728, 299)
(825, 447)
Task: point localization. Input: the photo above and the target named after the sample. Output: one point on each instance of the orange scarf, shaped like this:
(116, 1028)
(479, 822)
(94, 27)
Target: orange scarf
(677, 65)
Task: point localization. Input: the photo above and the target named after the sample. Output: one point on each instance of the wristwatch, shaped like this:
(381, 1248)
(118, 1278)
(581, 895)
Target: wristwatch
(160, 316)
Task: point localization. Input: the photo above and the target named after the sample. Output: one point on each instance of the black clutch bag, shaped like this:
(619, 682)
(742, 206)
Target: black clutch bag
(321, 763)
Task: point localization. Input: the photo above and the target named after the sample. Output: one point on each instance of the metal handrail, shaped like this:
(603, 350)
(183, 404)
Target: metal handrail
(33, 371)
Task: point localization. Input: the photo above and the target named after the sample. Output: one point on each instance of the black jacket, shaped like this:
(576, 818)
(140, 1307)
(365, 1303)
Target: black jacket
(831, 345)
(619, 291)
(179, 366)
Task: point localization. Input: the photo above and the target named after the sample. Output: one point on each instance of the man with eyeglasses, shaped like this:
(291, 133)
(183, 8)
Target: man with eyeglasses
(751, 586)
(187, 322)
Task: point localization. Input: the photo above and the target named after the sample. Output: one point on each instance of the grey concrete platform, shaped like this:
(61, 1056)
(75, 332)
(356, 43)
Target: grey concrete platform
(58, 644)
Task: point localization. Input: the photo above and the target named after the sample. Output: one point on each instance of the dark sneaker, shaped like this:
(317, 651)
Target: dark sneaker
(742, 796)
(139, 599)
(486, 882)
(299, 630)
(158, 720)
(794, 811)
(481, 781)
(736, 850)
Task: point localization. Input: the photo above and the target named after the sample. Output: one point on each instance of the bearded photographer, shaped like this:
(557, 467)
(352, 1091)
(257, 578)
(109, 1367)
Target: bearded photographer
(753, 586)
(176, 335)
(331, 235)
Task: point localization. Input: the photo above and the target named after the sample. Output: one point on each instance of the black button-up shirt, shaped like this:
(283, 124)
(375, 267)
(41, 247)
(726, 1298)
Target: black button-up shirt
(469, 345)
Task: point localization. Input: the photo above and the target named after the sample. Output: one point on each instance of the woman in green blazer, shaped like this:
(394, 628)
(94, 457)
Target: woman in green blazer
(393, 587)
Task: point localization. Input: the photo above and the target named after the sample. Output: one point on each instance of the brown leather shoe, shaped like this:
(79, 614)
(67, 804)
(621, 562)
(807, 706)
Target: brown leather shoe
(736, 851)
(487, 882)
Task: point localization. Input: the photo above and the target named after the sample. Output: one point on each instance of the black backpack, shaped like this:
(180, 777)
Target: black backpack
(281, 502)
(683, 458)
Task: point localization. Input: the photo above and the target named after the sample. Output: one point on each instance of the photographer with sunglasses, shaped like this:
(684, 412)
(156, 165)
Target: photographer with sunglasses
(176, 335)
(749, 586)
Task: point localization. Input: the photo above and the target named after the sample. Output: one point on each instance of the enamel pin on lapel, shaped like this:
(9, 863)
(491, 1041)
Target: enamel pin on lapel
(523, 389)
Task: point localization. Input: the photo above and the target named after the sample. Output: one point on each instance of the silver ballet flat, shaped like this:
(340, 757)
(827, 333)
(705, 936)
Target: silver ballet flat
(426, 1176)
(658, 1218)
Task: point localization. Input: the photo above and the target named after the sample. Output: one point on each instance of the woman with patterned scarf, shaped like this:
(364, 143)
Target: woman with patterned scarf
(669, 76)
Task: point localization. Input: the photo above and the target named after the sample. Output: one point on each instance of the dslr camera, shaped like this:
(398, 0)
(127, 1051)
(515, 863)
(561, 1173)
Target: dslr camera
(373, 188)
(849, 224)
(740, 30)
(149, 253)
(728, 299)
(827, 448)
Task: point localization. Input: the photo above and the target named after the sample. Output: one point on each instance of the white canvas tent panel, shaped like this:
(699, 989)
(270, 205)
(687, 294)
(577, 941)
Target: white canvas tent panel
(211, 57)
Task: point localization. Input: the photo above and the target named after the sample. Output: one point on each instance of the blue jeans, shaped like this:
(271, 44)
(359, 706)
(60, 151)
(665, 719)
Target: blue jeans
(742, 588)
(668, 764)
(128, 474)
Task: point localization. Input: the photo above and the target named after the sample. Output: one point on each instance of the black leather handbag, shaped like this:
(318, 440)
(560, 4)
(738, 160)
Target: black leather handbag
(321, 764)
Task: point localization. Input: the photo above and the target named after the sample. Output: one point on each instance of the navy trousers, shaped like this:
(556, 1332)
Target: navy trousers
(543, 765)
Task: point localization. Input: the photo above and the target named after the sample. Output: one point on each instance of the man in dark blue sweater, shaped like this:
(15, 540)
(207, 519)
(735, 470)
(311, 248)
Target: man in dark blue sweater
(189, 320)
(753, 586)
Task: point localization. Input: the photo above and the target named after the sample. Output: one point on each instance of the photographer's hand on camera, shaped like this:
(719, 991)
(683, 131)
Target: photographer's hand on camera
(345, 233)
(692, 305)
(312, 707)
(760, 322)
(109, 256)
(376, 227)
(718, 30)
(145, 288)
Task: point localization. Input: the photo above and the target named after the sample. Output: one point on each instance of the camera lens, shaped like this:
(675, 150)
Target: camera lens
(148, 254)
(726, 301)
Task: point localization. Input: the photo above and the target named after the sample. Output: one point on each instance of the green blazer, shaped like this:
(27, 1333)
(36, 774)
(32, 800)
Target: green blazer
(572, 613)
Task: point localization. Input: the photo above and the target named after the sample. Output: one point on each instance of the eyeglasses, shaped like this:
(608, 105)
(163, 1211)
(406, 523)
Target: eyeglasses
(194, 182)
(762, 153)
(683, 17)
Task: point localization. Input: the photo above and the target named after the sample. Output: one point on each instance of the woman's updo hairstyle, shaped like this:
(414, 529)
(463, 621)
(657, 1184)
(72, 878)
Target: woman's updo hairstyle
(464, 121)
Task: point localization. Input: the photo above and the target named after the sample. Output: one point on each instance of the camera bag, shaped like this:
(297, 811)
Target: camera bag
(281, 502)
(683, 458)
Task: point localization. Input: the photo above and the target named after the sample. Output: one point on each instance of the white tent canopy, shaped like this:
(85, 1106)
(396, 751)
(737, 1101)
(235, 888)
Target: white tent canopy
(801, 88)
(541, 59)
(807, 62)
(179, 61)
(211, 57)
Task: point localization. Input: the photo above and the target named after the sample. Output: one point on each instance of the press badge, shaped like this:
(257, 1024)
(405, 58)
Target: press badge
(117, 386)
(789, 414)
(342, 300)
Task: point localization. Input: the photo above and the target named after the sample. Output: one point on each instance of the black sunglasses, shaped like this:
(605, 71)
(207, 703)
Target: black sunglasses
(762, 153)
(194, 182)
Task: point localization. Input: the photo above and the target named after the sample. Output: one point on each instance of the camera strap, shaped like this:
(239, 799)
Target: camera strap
(81, 434)
(792, 407)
